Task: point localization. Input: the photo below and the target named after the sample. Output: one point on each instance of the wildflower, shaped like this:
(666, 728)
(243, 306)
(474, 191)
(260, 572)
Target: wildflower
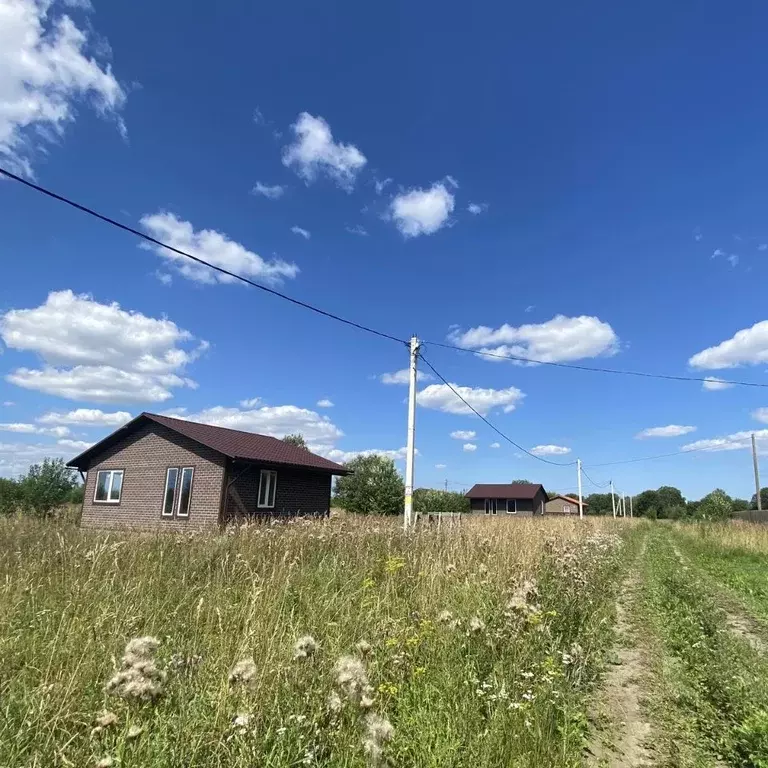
(476, 624)
(105, 762)
(304, 647)
(241, 721)
(138, 677)
(483, 569)
(352, 679)
(106, 719)
(180, 662)
(243, 672)
(364, 647)
(445, 617)
(450, 568)
(378, 731)
(134, 732)
(334, 702)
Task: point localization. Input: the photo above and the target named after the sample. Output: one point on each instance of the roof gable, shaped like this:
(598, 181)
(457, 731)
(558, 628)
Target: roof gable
(570, 499)
(232, 443)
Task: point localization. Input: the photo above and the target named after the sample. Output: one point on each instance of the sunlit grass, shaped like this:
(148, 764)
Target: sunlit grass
(477, 644)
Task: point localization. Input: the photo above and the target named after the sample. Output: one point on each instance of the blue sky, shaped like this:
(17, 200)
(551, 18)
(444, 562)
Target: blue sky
(578, 184)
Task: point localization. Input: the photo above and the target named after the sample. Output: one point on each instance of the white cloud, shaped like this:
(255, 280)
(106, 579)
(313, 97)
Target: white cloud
(495, 445)
(671, 430)
(748, 346)
(314, 152)
(75, 445)
(87, 417)
(251, 402)
(477, 208)
(452, 181)
(98, 352)
(712, 384)
(402, 377)
(324, 403)
(761, 414)
(358, 229)
(469, 447)
(164, 277)
(15, 458)
(306, 234)
(734, 442)
(34, 429)
(762, 247)
(464, 434)
(441, 398)
(8, 403)
(381, 184)
(560, 339)
(270, 191)
(550, 450)
(440, 466)
(46, 71)
(213, 247)
(530, 308)
(422, 211)
(342, 457)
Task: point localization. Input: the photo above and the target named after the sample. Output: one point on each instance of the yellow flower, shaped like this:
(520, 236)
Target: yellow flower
(394, 564)
(419, 671)
(388, 688)
(368, 583)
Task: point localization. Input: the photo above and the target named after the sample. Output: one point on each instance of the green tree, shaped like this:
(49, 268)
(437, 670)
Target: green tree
(429, 501)
(740, 505)
(763, 499)
(663, 500)
(717, 505)
(523, 482)
(297, 440)
(374, 487)
(599, 503)
(10, 497)
(76, 494)
(47, 486)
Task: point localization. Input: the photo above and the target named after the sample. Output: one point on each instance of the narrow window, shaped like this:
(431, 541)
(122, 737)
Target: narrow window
(267, 488)
(487, 506)
(171, 477)
(494, 507)
(109, 485)
(185, 494)
(511, 506)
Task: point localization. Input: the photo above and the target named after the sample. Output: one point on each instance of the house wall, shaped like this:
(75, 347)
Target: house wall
(299, 492)
(144, 457)
(557, 507)
(524, 507)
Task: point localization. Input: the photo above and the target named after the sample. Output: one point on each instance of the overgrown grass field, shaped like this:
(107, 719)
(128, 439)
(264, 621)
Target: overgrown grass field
(337, 643)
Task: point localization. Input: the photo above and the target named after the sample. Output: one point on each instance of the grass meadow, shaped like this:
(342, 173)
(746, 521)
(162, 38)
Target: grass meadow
(335, 643)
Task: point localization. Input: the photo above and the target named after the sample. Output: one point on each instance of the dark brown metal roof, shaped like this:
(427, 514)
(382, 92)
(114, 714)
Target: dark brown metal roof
(504, 491)
(233, 443)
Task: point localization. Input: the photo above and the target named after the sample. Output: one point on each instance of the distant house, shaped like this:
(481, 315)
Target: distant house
(157, 472)
(564, 505)
(521, 499)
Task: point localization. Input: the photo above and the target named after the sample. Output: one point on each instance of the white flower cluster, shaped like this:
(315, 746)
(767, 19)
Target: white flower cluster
(138, 678)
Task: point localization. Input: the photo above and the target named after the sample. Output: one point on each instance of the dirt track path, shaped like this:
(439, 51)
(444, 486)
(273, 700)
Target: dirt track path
(623, 739)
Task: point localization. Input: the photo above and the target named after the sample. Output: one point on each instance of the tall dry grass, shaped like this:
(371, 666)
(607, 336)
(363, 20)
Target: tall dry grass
(484, 640)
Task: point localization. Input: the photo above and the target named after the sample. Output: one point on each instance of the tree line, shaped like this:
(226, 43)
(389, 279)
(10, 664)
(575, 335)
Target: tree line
(41, 491)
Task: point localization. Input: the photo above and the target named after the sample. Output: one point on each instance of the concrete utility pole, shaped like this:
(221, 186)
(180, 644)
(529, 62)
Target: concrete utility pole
(757, 473)
(581, 503)
(630, 506)
(411, 444)
(613, 501)
(623, 505)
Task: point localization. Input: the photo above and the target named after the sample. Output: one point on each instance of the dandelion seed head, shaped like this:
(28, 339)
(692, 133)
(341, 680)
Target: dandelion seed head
(445, 617)
(476, 624)
(241, 720)
(304, 647)
(352, 678)
(334, 702)
(364, 647)
(378, 731)
(105, 762)
(243, 672)
(134, 732)
(138, 678)
(106, 719)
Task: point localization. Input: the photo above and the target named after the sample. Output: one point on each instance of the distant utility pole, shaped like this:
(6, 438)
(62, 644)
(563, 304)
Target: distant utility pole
(411, 444)
(630, 506)
(757, 473)
(446, 485)
(581, 503)
(623, 505)
(613, 501)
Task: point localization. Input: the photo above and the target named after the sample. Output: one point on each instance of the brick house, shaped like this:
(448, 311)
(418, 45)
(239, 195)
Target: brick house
(157, 472)
(564, 505)
(521, 499)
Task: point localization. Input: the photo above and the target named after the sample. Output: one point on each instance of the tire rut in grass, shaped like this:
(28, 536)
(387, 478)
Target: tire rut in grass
(622, 741)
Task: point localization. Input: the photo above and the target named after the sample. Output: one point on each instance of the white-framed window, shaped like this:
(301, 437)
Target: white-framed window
(178, 491)
(566, 509)
(491, 506)
(109, 486)
(511, 506)
(267, 489)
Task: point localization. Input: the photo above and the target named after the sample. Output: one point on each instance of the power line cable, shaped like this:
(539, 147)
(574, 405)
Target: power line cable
(650, 458)
(594, 369)
(492, 426)
(154, 241)
(597, 485)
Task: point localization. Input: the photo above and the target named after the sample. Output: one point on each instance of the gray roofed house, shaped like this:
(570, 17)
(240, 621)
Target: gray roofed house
(520, 499)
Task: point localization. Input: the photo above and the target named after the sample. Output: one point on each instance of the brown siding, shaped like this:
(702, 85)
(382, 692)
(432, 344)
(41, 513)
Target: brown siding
(299, 492)
(144, 456)
(555, 507)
